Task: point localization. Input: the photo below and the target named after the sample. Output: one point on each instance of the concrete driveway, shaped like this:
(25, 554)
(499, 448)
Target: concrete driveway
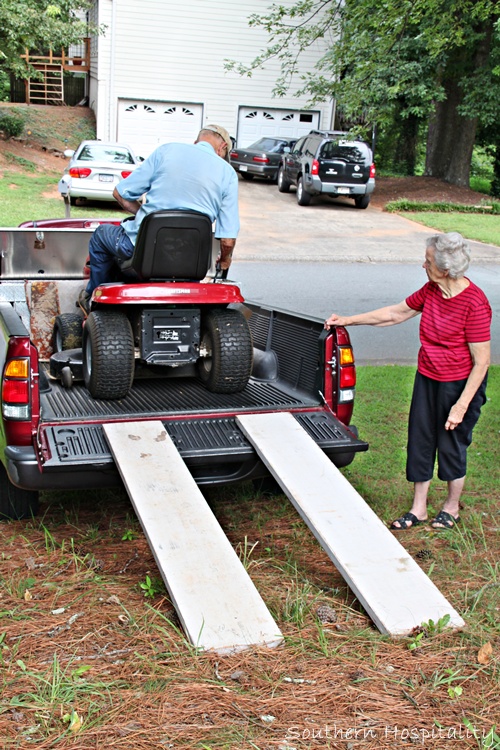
(274, 227)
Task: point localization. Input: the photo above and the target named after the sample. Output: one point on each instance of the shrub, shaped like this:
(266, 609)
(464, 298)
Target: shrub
(404, 204)
(12, 125)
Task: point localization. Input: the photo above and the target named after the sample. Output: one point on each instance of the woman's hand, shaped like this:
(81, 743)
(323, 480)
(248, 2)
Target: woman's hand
(335, 320)
(455, 417)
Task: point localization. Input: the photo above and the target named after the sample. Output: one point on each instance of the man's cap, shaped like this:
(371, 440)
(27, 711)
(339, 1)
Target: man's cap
(223, 134)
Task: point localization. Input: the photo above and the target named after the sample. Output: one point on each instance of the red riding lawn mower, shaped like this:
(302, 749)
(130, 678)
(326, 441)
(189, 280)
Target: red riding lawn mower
(158, 316)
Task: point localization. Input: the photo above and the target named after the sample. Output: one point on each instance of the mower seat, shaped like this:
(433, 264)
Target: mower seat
(171, 245)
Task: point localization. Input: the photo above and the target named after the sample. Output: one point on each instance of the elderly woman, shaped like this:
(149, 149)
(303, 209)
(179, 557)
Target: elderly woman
(450, 382)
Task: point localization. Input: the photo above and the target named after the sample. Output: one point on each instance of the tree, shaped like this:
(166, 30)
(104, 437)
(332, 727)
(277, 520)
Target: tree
(412, 60)
(37, 26)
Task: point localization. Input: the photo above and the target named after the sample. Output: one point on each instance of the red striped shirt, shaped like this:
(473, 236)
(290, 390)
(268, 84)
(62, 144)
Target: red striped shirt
(447, 326)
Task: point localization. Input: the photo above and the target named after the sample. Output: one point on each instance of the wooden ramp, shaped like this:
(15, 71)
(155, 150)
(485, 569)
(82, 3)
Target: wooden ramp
(217, 603)
(393, 589)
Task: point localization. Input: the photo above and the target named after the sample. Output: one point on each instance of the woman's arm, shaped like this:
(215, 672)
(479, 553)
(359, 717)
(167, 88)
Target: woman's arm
(384, 316)
(480, 354)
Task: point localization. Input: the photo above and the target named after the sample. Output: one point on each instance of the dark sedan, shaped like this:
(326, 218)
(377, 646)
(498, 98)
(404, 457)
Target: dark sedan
(261, 159)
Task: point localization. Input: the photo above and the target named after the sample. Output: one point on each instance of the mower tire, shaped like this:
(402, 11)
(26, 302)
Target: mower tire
(108, 354)
(226, 338)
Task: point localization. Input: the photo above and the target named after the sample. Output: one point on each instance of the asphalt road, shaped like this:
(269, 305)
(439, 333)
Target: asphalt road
(318, 289)
(331, 257)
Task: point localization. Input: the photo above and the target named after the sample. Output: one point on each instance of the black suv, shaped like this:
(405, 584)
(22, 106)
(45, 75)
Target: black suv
(328, 162)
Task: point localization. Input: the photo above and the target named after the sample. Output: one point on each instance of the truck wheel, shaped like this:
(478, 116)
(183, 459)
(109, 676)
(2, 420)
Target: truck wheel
(15, 503)
(362, 201)
(68, 332)
(227, 341)
(108, 354)
(303, 197)
(283, 183)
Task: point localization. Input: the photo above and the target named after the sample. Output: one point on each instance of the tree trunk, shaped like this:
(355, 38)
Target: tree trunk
(450, 139)
(451, 136)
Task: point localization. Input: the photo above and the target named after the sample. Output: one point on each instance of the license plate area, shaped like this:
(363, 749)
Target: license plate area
(343, 190)
(243, 168)
(106, 178)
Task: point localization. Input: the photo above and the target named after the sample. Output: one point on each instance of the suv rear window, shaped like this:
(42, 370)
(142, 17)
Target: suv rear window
(356, 153)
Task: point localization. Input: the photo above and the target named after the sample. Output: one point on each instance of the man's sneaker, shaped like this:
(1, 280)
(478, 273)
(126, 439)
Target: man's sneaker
(83, 301)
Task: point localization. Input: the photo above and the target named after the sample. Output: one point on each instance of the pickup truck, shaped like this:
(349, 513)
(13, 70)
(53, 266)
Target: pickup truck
(52, 437)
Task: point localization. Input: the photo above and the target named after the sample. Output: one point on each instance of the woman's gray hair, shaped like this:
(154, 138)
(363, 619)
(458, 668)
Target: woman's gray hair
(451, 253)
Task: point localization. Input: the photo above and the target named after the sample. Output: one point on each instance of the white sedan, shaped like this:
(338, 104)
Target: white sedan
(94, 170)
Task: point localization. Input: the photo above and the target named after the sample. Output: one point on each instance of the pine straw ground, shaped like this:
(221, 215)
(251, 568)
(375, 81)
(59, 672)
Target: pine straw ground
(90, 662)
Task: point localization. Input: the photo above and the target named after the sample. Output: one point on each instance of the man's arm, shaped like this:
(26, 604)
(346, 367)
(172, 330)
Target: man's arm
(226, 252)
(480, 354)
(130, 206)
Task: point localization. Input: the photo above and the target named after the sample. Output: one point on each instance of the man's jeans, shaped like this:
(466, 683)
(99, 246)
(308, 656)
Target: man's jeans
(108, 244)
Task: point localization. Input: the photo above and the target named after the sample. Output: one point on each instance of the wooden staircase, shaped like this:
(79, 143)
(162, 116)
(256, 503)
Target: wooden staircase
(50, 89)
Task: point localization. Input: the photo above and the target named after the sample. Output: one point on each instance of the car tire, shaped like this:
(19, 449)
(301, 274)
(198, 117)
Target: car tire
(362, 201)
(303, 197)
(72, 200)
(226, 336)
(108, 355)
(283, 183)
(247, 176)
(67, 332)
(15, 503)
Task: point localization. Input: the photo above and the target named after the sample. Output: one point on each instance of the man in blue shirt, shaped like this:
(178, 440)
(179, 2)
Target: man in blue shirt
(175, 176)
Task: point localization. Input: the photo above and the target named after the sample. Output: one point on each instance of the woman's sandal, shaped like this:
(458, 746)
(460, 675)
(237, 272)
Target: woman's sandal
(444, 520)
(406, 522)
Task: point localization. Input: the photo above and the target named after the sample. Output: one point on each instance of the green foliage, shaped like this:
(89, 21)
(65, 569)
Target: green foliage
(4, 86)
(38, 25)
(404, 204)
(152, 586)
(12, 125)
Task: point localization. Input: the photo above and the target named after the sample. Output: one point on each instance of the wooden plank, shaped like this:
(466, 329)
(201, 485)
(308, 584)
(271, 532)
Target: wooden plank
(392, 588)
(217, 603)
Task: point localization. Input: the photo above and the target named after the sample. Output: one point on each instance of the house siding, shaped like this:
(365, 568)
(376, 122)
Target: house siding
(173, 52)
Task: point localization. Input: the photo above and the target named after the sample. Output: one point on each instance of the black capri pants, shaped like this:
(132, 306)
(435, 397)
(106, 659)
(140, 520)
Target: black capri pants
(430, 405)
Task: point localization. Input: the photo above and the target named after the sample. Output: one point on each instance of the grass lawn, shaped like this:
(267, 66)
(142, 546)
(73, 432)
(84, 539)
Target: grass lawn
(29, 197)
(472, 226)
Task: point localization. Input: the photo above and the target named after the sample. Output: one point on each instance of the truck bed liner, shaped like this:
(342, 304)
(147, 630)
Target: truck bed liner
(162, 397)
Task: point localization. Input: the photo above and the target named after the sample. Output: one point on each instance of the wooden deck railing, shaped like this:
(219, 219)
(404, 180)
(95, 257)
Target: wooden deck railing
(76, 63)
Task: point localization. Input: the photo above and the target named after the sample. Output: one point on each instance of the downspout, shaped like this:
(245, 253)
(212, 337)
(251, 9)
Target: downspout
(111, 92)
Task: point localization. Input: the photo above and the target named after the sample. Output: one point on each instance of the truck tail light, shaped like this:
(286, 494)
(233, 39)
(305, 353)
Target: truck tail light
(19, 406)
(261, 159)
(339, 374)
(126, 173)
(372, 171)
(80, 172)
(315, 167)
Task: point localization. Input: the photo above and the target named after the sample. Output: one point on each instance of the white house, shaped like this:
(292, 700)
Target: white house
(157, 74)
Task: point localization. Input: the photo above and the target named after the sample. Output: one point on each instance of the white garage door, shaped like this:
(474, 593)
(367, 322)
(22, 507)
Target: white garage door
(257, 122)
(145, 125)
